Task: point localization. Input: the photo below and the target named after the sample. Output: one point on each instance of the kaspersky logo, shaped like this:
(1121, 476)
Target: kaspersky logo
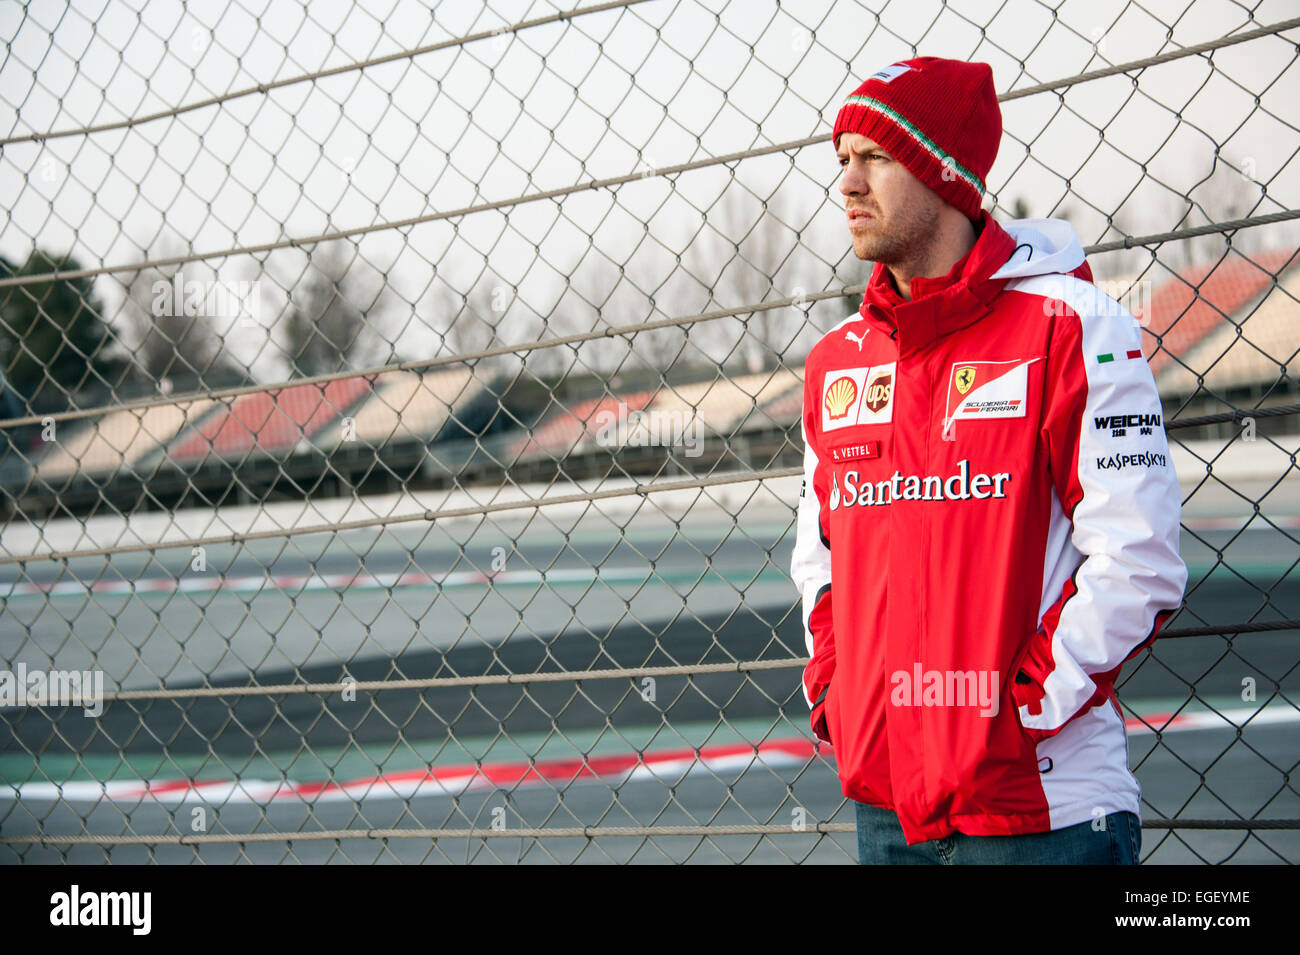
(840, 396)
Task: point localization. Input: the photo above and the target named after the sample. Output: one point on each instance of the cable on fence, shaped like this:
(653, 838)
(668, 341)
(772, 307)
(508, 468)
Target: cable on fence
(264, 88)
(397, 224)
(427, 363)
(1129, 241)
(501, 679)
(560, 832)
(593, 184)
(753, 152)
(610, 332)
(1237, 414)
(733, 477)
(1156, 60)
(554, 193)
(1267, 626)
(322, 74)
(566, 676)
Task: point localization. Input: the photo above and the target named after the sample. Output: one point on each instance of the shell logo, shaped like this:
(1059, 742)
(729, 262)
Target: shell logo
(840, 397)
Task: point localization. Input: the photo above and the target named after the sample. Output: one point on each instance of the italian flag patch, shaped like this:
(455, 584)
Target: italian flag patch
(1113, 356)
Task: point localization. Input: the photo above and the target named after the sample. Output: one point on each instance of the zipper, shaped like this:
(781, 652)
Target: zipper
(925, 555)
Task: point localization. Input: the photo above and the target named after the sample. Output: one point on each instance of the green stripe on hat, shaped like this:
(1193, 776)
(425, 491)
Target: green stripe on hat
(1102, 359)
(922, 140)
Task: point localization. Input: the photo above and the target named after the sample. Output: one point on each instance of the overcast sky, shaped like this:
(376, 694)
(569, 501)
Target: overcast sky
(606, 94)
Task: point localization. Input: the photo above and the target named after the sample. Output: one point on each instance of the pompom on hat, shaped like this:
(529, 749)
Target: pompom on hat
(938, 117)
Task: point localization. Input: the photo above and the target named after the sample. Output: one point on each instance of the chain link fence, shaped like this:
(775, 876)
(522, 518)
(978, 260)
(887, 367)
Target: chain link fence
(400, 413)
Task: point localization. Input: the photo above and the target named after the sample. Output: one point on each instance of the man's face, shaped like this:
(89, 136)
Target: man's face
(892, 215)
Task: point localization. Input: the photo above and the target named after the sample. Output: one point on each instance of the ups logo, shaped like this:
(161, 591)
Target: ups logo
(878, 391)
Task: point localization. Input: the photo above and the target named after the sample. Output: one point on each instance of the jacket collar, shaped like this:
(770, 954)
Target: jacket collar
(942, 304)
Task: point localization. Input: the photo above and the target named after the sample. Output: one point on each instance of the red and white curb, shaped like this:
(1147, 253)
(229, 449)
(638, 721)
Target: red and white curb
(662, 765)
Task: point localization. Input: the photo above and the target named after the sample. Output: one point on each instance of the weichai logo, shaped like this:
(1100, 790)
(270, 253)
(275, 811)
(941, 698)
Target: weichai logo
(878, 391)
(1119, 424)
(840, 397)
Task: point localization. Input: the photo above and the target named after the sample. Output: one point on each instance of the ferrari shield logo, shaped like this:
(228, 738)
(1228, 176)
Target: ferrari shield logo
(984, 390)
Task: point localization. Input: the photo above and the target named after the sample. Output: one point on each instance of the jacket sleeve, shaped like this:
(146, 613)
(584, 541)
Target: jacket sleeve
(1120, 494)
(810, 569)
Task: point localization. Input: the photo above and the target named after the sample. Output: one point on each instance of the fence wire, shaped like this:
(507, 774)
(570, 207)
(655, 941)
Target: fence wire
(399, 414)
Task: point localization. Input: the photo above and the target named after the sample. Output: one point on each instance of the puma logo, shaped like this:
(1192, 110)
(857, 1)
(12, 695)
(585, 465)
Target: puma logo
(856, 338)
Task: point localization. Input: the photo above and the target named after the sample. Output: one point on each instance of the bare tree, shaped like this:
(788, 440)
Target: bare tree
(169, 331)
(335, 320)
(586, 307)
(634, 299)
(555, 362)
(1226, 195)
(740, 256)
(469, 322)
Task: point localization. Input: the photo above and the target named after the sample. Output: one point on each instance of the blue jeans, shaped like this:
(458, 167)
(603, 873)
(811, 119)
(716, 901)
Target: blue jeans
(880, 842)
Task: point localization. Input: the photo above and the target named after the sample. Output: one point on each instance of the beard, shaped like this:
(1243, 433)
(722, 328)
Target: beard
(904, 237)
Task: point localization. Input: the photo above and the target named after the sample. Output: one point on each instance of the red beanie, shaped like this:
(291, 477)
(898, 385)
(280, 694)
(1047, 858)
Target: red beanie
(939, 118)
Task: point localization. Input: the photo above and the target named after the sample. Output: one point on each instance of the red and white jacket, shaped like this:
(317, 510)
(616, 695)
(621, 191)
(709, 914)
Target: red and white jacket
(987, 531)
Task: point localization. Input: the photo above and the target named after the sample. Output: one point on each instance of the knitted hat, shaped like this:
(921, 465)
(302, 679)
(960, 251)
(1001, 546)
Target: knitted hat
(939, 118)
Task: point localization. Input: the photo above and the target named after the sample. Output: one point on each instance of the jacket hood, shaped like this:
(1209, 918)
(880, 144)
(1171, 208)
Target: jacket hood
(1043, 247)
(942, 304)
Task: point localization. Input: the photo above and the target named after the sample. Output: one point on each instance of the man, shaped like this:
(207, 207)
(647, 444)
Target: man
(988, 527)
